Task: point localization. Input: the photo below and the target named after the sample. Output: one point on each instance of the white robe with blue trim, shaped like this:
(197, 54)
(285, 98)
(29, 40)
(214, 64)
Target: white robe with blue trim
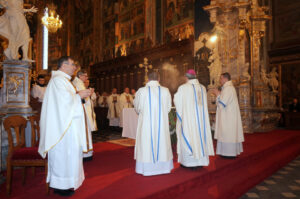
(153, 152)
(194, 139)
(229, 129)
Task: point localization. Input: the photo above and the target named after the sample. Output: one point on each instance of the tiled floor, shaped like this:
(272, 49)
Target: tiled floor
(285, 183)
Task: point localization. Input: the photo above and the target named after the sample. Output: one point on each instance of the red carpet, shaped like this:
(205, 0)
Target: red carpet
(112, 173)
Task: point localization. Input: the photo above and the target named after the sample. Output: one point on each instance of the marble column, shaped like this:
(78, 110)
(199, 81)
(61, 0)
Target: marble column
(2, 179)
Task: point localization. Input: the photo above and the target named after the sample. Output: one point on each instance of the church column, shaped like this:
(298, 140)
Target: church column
(39, 37)
(113, 84)
(70, 27)
(97, 31)
(107, 84)
(131, 82)
(125, 80)
(258, 20)
(102, 84)
(244, 77)
(118, 78)
(150, 20)
(264, 111)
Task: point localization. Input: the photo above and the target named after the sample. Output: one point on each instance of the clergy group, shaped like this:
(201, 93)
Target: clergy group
(67, 120)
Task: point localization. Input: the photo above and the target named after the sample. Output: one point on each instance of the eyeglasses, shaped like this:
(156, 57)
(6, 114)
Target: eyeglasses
(69, 63)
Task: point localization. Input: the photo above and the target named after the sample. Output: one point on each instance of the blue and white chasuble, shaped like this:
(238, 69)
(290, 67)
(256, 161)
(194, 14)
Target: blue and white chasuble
(153, 152)
(194, 139)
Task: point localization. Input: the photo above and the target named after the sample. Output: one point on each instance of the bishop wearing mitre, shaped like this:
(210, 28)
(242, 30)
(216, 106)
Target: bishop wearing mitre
(194, 140)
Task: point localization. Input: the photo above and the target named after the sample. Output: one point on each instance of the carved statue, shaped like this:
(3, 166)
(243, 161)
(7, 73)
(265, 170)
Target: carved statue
(215, 67)
(188, 31)
(14, 27)
(263, 75)
(219, 29)
(14, 83)
(273, 82)
(270, 79)
(123, 50)
(245, 74)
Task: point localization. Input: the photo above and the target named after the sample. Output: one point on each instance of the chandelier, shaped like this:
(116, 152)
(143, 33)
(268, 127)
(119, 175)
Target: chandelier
(52, 23)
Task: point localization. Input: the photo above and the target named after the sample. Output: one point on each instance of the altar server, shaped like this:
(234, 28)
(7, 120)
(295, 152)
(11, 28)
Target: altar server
(126, 101)
(90, 116)
(229, 130)
(153, 153)
(38, 89)
(194, 140)
(61, 129)
(113, 109)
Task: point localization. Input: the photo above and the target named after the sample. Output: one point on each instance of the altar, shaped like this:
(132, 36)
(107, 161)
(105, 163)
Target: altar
(130, 121)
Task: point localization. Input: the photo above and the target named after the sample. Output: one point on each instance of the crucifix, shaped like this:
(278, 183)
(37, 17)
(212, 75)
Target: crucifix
(147, 66)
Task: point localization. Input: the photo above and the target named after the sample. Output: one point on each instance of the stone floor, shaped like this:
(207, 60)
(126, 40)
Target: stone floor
(106, 135)
(285, 183)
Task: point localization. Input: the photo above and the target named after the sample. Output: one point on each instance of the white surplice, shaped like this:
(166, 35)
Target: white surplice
(113, 110)
(153, 152)
(194, 139)
(62, 137)
(38, 92)
(229, 130)
(90, 116)
(123, 103)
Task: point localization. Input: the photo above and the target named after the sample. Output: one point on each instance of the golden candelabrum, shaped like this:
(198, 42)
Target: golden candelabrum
(33, 75)
(147, 66)
(51, 22)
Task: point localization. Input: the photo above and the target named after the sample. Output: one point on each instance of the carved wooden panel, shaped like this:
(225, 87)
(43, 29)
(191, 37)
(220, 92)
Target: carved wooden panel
(124, 71)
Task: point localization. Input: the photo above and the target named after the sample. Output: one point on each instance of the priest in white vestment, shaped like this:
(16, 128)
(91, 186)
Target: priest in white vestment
(102, 101)
(62, 130)
(113, 109)
(126, 101)
(194, 140)
(38, 89)
(153, 152)
(229, 130)
(78, 82)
